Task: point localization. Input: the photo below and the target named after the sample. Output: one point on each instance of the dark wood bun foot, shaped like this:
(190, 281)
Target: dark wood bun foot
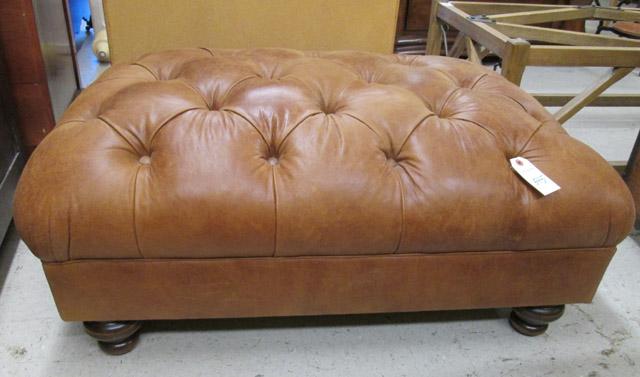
(534, 320)
(114, 338)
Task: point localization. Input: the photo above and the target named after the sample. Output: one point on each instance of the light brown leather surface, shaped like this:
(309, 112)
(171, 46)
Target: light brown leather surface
(257, 153)
(251, 287)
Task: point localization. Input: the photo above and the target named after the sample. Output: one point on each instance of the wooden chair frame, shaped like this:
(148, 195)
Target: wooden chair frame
(505, 30)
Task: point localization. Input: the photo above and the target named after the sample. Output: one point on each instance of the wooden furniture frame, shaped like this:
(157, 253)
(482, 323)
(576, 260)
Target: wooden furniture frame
(506, 30)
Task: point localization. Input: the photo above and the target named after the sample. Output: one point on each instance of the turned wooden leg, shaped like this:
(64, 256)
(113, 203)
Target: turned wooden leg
(534, 320)
(114, 338)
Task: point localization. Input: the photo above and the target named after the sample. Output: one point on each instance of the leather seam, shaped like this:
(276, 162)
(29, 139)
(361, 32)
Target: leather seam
(528, 218)
(207, 50)
(226, 93)
(444, 104)
(254, 127)
(479, 126)
(147, 68)
(472, 87)
(293, 129)
(275, 208)
(164, 123)
(195, 91)
(402, 210)
(135, 196)
(68, 234)
(413, 130)
(365, 124)
(334, 257)
(114, 129)
(530, 137)
(608, 234)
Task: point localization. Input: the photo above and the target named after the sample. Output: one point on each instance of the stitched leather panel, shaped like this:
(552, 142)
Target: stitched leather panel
(256, 153)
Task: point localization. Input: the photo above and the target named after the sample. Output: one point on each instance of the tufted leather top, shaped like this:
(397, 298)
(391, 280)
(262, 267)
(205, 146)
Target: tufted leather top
(235, 153)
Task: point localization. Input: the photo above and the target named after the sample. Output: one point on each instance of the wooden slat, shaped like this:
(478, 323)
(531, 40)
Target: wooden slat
(590, 93)
(542, 16)
(605, 100)
(584, 56)
(515, 59)
(626, 14)
(472, 53)
(476, 8)
(434, 39)
(541, 34)
(478, 31)
(458, 46)
(484, 52)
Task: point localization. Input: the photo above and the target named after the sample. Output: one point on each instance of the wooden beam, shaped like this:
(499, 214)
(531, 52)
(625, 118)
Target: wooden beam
(604, 100)
(590, 93)
(476, 8)
(458, 46)
(515, 60)
(434, 40)
(541, 34)
(584, 56)
(542, 16)
(484, 52)
(472, 53)
(626, 14)
(478, 31)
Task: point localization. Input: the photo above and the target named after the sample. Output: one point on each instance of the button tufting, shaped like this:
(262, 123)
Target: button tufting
(145, 160)
(273, 161)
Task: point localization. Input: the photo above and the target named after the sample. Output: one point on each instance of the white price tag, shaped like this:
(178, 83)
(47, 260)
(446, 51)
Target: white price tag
(534, 176)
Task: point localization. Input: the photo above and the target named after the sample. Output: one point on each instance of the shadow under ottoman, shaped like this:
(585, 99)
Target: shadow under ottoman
(242, 183)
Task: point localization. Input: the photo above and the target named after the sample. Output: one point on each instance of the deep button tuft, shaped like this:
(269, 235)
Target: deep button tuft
(145, 160)
(273, 161)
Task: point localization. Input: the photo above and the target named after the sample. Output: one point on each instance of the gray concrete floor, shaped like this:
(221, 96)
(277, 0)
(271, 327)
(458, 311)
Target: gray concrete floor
(597, 339)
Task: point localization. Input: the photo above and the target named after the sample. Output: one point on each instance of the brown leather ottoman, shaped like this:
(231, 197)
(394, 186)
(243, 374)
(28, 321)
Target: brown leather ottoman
(208, 183)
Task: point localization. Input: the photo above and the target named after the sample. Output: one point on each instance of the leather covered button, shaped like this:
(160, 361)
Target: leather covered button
(145, 160)
(273, 161)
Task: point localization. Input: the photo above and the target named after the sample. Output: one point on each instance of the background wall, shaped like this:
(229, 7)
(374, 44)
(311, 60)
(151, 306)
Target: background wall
(136, 27)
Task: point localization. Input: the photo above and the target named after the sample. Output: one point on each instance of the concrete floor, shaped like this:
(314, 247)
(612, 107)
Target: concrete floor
(597, 339)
